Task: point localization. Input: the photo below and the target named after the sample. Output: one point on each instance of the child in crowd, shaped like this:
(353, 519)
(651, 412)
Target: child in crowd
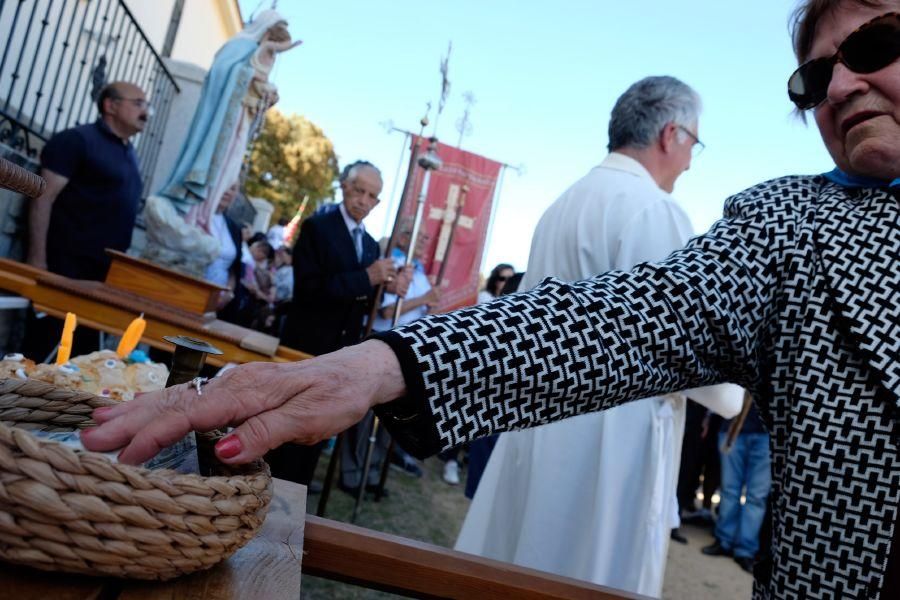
(259, 281)
(284, 289)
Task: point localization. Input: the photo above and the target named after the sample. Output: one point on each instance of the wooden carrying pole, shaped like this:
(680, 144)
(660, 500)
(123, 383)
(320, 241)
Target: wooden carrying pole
(388, 563)
(15, 178)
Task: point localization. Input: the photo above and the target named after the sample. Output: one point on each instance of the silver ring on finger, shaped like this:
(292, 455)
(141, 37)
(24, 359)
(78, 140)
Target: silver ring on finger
(198, 383)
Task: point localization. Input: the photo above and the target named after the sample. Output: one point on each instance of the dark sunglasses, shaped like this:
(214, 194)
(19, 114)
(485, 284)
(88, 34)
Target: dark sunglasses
(872, 47)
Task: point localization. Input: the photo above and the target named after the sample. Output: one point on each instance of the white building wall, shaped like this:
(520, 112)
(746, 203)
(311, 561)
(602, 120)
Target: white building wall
(153, 17)
(205, 26)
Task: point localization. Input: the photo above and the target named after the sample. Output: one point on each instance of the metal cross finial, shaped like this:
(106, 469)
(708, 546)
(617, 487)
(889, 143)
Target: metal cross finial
(445, 87)
(464, 124)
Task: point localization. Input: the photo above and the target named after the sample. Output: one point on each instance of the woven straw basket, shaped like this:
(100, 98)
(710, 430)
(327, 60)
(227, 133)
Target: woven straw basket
(79, 512)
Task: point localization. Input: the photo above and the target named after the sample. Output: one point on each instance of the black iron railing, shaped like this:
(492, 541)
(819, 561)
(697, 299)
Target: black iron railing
(58, 54)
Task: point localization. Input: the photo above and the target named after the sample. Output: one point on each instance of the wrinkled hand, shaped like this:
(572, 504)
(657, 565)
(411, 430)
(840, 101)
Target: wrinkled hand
(381, 271)
(269, 403)
(400, 284)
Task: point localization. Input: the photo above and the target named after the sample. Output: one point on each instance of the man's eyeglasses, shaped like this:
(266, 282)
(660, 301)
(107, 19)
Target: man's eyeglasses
(138, 102)
(697, 146)
(872, 47)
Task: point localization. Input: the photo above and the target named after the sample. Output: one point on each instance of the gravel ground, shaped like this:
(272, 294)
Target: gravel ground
(691, 575)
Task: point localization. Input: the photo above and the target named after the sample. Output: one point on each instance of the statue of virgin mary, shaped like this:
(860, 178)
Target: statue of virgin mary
(235, 95)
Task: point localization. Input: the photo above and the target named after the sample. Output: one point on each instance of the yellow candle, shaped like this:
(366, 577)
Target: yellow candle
(132, 337)
(65, 344)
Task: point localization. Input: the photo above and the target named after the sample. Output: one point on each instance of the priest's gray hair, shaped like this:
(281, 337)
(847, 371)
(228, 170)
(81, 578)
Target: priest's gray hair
(649, 105)
(352, 170)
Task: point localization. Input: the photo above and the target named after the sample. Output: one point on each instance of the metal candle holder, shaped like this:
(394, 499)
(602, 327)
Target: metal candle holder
(187, 361)
(188, 358)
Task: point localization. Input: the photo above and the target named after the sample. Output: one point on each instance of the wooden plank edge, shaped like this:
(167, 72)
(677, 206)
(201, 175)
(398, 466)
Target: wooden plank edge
(393, 564)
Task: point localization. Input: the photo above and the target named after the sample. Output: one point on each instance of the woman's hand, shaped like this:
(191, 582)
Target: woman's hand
(269, 403)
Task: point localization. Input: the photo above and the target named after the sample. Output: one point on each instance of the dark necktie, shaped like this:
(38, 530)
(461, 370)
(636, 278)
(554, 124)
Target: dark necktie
(357, 242)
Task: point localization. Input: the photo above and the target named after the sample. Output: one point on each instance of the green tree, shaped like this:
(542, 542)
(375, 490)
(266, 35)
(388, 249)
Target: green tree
(291, 158)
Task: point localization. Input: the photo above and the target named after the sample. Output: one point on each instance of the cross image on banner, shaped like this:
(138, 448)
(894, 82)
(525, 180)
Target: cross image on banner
(465, 180)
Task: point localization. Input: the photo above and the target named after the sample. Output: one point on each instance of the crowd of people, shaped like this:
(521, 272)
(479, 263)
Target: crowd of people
(621, 317)
(253, 267)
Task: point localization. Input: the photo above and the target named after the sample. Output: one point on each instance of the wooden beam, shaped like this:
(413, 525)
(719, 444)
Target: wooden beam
(97, 311)
(397, 565)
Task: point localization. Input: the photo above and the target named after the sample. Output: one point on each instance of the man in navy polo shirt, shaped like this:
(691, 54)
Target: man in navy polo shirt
(93, 188)
(89, 204)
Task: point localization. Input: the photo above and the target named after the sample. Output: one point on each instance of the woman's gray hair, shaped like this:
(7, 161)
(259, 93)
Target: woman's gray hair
(649, 105)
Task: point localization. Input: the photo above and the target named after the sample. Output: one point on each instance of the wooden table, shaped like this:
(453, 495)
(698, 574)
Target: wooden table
(268, 567)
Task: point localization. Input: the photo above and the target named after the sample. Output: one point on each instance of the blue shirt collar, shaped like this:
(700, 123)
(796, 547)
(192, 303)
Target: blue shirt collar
(102, 126)
(855, 181)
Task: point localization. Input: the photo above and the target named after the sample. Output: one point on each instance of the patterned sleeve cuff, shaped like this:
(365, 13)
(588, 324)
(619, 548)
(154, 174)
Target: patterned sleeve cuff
(409, 419)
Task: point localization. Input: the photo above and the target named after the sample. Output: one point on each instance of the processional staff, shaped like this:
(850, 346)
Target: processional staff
(415, 161)
(429, 162)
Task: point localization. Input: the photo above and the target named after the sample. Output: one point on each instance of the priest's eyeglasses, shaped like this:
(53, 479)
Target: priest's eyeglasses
(697, 146)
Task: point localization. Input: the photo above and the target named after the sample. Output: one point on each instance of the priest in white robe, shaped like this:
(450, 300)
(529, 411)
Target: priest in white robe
(591, 497)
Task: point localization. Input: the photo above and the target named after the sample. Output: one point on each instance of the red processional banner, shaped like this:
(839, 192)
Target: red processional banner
(455, 219)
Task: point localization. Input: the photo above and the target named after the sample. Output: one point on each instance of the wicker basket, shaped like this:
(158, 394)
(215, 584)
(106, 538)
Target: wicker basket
(79, 512)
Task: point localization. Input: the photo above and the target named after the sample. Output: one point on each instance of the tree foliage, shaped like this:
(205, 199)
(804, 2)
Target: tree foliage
(291, 158)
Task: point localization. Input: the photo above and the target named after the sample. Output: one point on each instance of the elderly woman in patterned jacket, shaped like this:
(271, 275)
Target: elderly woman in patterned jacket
(793, 295)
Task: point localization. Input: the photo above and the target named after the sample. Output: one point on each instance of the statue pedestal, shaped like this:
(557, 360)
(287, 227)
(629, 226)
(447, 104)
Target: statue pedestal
(173, 243)
(159, 284)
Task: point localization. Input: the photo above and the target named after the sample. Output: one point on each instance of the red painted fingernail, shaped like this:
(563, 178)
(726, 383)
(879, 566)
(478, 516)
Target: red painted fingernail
(99, 412)
(229, 447)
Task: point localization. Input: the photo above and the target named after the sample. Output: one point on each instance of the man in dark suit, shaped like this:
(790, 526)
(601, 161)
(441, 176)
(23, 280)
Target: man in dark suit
(336, 271)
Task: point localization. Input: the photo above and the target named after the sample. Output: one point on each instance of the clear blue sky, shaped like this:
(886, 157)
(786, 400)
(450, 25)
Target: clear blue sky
(545, 76)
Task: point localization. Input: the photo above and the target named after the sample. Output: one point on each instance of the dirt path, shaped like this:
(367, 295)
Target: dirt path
(691, 575)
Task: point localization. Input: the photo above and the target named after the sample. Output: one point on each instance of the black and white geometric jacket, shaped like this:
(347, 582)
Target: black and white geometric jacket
(794, 295)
